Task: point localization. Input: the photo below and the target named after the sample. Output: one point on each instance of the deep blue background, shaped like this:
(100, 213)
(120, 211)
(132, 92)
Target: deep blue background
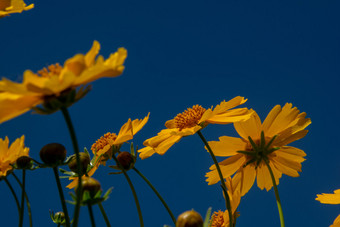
(182, 53)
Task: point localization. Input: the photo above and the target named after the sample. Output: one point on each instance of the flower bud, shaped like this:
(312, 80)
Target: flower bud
(189, 219)
(59, 217)
(53, 154)
(84, 162)
(91, 185)
(24, 162)
(126, 160)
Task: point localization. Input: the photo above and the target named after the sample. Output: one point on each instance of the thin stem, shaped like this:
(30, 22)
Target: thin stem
(61, 195)
(14, 195)
(104, 215)
(89, 206)
(76, 151)
(27, 201)
(22, 206)
(158, 195)
(133, 191)
(279, 207)
(224, 187)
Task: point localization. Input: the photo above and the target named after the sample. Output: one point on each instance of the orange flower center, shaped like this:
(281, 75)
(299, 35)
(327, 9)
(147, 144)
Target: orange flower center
(217, 219)
(103, 141)
(189, 118)
(51, 70)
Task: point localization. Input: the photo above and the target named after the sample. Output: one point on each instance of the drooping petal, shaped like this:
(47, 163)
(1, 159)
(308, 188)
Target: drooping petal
(264, 179)
(244, 179)
(124, 134)
(227, 146)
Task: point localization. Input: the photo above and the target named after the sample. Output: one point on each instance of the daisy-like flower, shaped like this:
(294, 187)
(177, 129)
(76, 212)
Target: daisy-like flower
(109, 144)
(331, 199)
(220, 218)
(13, 6)
(9, 154)
(55, 86)
(191, 121)
(261, 144)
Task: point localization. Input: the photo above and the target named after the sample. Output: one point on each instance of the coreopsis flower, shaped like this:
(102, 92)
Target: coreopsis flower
(13, 6)
(110, 143)
(192, 120)
(10, 154)
(220, 218)
(261, 144)
(331, 199)
(55, 86)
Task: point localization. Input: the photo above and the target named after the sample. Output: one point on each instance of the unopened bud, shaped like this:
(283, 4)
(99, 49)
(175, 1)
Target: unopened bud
(189, 219)
(91, 185)
(24, 162)
(53, 154)
(126, 160)
(84, 162)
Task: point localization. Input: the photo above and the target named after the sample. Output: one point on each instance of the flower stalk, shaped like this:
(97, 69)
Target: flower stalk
(76, 151)
(89, 206)
(61, 195)
(104, 215)
(133, 191)
(22, 206)
(156, 192)
(14, 194)
(224, 187)
(278, 201)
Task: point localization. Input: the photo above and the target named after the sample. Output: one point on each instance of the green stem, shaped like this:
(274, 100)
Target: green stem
(89, 206)
(14, 195)
(278, 201)
(104, 215)
(22, 206)
(76, 151)
(158, 195)
(133, 191)
(224, 187)
(61, 195)
(27, 201)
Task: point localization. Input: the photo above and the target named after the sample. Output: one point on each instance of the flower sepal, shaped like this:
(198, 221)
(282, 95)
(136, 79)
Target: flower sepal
(88, 199)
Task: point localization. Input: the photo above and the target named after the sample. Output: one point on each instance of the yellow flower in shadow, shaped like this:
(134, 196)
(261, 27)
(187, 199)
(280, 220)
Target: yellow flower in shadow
(13, 6)
(331, 199)
(261, 143)
(9, 154)
(58, 81)
(107, 145)
(191, 121)
(220, 218)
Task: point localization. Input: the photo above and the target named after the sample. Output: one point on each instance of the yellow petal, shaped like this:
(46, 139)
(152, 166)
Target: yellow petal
(227, 146)
(244, 179)
(228, 167)
(139, 124)
(336, 222)
(124, 134)
(329, 198)
(91, 55)
(263, 177)
(146, 152)
(250, 127)
(235, 115)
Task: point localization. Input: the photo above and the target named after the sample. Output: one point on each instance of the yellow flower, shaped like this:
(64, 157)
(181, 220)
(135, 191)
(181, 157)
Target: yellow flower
(220, 218)
(9, 154)
(57, 80)
(260, 143)
(191, 121)
(13, 6)
(331, 199)
(107, 145)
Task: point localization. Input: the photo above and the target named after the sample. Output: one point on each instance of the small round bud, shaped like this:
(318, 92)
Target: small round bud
(84, 162)
(189, 219)
(59, 217)
(24, 162)
(91, 185)
(53, 154)
(126, 160)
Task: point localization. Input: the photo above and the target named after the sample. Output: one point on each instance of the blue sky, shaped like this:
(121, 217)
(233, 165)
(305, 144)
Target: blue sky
(182, 53)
